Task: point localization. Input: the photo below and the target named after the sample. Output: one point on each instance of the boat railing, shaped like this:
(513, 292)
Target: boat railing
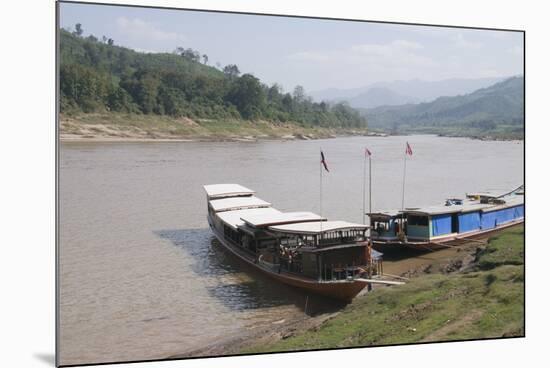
(340, 240)
(336, 272)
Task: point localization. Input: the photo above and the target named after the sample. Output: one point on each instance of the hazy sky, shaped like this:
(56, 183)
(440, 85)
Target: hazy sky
(316, 54)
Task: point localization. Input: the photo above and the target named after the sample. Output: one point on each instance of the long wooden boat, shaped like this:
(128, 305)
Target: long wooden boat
(301, 249)
(456, 222)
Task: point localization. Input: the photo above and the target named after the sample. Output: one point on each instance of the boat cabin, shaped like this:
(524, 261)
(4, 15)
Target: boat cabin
(481, 211)
(385, 225)
(325, 250)
(301, 243)
(459, 218)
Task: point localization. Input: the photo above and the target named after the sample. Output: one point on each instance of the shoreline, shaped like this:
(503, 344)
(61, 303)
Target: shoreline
(446, 261)
(117, 127)
(436, 281)
(65, 138)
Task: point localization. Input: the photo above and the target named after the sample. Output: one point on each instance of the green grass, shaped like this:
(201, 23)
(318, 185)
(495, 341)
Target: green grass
(485, 302)
(505, 249)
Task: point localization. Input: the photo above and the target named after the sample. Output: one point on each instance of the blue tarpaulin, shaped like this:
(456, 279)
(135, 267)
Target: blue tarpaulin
(493, 218)
(518, 212)
(505, 215)
(441, 224)
(488, 220)
(469, 221)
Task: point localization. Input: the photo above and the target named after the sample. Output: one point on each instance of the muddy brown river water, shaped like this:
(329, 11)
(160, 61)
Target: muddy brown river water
(141, 276)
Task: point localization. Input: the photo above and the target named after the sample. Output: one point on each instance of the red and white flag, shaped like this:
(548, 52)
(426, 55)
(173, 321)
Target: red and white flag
(408, 150)
(367, 152)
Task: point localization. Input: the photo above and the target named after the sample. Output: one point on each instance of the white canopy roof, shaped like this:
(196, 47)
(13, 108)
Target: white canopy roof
(511, 201)
(233, 218)
(387, 214)
(317, 227)
(226, 190)
(267, 219)
(238, 203)
(467, 206)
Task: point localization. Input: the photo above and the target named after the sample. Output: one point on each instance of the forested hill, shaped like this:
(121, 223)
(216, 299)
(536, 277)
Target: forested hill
(495, 111)
(98, 76)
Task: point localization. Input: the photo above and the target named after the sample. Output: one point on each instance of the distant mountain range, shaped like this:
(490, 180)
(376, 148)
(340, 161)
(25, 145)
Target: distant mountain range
(497, 111)
(402, 92)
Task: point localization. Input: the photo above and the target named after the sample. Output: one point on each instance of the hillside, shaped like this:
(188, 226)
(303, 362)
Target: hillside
(379, 96)
(98, 77)
(496, 111)
(400, 92)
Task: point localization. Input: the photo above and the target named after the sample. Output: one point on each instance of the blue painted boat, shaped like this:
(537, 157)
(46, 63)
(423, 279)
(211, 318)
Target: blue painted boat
(454, 223)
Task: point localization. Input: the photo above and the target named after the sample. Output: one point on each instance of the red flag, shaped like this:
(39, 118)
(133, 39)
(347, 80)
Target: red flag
(367, 152)
(409, 150)
(323, 161)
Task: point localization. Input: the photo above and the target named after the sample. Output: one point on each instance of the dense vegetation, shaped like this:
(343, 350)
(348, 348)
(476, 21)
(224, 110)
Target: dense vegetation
(495, 111)
(97, 76)
(484, 301)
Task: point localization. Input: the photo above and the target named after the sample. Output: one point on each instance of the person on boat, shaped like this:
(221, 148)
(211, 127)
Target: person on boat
(290, 261)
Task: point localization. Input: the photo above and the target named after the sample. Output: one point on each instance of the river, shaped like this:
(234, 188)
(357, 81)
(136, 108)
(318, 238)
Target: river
(141, 276)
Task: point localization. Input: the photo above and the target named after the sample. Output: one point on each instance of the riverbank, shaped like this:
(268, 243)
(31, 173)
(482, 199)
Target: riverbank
(473, 300)
(120, 127)
(472, 292)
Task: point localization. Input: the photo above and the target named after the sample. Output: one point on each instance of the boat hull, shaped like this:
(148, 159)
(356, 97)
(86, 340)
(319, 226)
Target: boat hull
(444, 242)
(343, 290)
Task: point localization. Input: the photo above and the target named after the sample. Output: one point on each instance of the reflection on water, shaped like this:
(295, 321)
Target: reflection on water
(141, 276)
(239, 286)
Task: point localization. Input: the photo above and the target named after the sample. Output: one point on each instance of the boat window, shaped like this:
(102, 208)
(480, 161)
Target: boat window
(290, 242)
(381, 226)
(265, 243)
(417, 220)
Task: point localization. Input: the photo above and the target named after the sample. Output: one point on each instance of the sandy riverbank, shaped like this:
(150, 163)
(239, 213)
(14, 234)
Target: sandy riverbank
(116, 127)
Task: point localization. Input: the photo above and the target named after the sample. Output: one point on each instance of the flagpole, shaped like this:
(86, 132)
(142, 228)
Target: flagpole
(403, 191)
(320, 192)
(401, 229)
(364, 183)
(370, 187)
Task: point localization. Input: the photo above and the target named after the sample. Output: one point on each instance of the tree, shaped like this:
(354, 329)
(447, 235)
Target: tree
(95, 77)
(188, 53)
(299, 94)
(104, 39)
(248, 96)
(274, 91)
(78, 30)
(231, 71)
(110, 42)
